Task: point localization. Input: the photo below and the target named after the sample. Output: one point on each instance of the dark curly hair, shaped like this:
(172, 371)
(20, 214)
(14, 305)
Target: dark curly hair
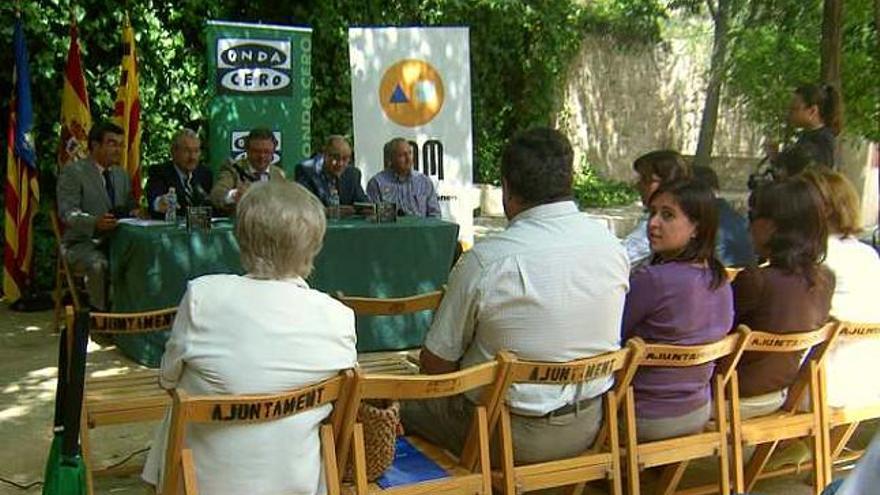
(799, 241)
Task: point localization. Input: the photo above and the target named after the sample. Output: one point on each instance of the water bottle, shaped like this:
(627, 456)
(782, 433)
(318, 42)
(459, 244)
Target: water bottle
(333, 207)
(171, 211)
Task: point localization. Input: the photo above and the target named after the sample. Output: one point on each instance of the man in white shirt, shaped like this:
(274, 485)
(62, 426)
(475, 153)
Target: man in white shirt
(550, 287)
(235, 177)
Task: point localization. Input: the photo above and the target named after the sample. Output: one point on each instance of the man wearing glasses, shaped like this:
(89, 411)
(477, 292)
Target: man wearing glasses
(328, 172)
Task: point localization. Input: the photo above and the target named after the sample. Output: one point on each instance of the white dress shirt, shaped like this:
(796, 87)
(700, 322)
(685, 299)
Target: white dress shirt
(856, 268)
(239, 335)
(637, 245)
(550, 287)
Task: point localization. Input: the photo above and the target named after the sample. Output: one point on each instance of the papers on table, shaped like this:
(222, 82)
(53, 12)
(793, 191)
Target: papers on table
(141, 222)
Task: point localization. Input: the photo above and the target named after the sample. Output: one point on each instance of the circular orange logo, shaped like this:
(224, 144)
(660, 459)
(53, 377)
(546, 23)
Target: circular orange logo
(411, 92)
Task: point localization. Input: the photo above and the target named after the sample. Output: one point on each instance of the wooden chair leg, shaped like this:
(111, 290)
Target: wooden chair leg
(614, 444)
(670, 477)
(757, 462)
(190, 482)
(721, 421)
(482, 422)
(360, 460)
(840, 436)
(632, 458)
(328, 456)
(735, 428)
(824, 427)
(508, 471)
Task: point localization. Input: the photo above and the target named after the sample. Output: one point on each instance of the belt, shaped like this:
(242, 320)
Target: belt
(564, 410)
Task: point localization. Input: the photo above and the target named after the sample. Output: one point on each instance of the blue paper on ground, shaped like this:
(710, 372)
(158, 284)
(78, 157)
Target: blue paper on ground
(410, 466)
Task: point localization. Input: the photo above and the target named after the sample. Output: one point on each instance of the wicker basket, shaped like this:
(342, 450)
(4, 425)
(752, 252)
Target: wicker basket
(381, 423)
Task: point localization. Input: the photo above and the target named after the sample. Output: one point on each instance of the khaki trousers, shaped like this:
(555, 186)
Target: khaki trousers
(446, 422)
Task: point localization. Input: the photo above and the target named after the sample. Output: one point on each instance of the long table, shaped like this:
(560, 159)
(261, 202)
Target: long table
(151, 265)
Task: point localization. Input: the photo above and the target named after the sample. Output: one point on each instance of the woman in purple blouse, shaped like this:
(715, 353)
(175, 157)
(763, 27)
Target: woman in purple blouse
(681, 298)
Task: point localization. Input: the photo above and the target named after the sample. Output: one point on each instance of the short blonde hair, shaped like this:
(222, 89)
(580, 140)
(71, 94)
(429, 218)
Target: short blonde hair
(280, 229)
(841, 200)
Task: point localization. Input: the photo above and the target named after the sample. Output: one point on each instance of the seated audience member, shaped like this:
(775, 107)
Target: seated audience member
(412, 191)
(856, 269)
(256, 166)
(733, 246)
(329, 171)
(550, 287)
(654, 169)
(93, 193)
(792, 293)
(681, 298)
(264, 332)
(191, 181)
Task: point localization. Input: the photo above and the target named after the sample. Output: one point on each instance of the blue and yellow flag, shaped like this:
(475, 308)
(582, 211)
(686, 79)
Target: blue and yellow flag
(22, 186)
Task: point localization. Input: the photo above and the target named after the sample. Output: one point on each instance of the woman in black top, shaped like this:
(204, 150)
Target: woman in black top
(815, 110)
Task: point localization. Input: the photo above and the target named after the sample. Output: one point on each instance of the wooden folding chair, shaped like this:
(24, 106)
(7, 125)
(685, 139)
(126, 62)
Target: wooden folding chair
(132, 397)
(677, 452)
(180, 473)
(463, 477)
(391, 362)
(841, 423)
(64, 279)
(602, 461)
(767, 431)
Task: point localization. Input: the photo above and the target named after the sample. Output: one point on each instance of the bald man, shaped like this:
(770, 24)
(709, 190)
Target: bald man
(330, 170)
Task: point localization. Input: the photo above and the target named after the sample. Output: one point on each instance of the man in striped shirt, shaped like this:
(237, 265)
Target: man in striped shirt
(412, 191)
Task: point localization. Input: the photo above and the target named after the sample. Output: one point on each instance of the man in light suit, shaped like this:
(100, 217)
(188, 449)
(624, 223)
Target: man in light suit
(256, 166)
(191, 181)
(92, 194)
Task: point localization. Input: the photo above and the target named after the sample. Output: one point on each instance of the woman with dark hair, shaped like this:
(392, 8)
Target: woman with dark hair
(654, 169)
(792, 293)
(815, 110)
(681, 298)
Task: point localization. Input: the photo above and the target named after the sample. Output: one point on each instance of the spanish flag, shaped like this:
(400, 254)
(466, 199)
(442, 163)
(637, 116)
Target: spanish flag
(22, 185)
(127, 111)
(76, 118)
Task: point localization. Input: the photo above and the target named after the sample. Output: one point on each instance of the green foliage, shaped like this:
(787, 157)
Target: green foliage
(591, 190)
(520, 54)
(771, 58)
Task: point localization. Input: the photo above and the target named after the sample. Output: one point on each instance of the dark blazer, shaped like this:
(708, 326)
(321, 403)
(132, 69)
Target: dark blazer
(348, 184)
(163, 177)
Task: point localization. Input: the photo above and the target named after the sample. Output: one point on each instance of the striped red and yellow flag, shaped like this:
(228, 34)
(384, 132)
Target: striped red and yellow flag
(22, 178)
(76, 118)
(127, 111)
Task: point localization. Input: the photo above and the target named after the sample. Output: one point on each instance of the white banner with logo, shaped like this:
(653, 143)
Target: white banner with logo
(415, 83)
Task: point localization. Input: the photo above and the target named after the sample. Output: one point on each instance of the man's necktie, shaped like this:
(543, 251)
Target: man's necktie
(108, 185)
(187, 191)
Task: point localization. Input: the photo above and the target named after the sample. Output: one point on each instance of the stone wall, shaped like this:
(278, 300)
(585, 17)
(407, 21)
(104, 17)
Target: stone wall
(623, 101)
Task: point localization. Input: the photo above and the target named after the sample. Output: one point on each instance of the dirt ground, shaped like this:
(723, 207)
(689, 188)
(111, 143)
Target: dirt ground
(28, 357)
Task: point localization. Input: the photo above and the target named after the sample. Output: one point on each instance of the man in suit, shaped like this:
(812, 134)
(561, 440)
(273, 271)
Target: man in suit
(191, 181)
(329, 170)
(256, 166)
(92, 194)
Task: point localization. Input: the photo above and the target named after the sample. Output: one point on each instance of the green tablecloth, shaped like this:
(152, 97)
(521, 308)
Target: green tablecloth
(150, 266)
